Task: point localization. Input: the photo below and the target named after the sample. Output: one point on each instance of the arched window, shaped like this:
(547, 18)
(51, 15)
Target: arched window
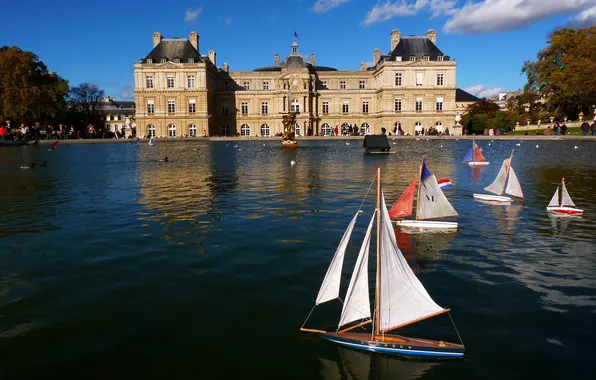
(172, 130)
(418, 127)
(265, 130)
(297, 130)
(245, 130)
(225, 130)
(192, 130)
(439, 126)
(151, 130)
(346, 130)
(295, 106)
(326, 129)
(366, 128)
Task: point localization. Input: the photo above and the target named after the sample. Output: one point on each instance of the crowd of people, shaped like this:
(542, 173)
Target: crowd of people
(36, 131)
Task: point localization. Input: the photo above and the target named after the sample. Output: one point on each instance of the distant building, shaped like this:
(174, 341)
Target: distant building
(118, 113)
(463, 99)
(180, 92)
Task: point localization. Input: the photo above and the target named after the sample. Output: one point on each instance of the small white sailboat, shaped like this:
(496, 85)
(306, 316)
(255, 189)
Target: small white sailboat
(474, 156)
(564, 205)
(400, 297)
(431, 204)
(507, 176)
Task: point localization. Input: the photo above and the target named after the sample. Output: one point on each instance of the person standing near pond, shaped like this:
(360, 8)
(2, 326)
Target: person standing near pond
(563, 128)
(593, 128)
(585, 127)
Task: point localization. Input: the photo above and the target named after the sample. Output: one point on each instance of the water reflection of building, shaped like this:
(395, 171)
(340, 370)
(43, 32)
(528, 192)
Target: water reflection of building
(355, 365)
(180, 92)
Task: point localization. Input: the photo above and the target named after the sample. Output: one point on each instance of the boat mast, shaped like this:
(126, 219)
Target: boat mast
(378, 290)
(419, 185)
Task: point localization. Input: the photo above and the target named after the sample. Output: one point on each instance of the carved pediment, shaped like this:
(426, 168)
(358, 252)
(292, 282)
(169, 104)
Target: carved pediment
(169, 65)
(418, 62)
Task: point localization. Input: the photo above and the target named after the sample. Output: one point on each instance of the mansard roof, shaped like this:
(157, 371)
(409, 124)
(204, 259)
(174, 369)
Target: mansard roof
(171, 48)
(294, 61)
(418, 46)
(310, 67)
(463, 96)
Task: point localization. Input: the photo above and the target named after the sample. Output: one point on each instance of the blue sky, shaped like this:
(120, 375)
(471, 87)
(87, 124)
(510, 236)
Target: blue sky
(98, 42)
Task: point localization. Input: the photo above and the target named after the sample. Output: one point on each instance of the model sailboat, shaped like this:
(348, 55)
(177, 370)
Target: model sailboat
(474, 156)
(400, 298)
(152, 141)
(432, 203)
(507, 176)
(564, 205)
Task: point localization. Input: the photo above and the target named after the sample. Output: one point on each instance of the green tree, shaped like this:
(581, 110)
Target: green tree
(28, 91)
(565, 72)
(503, 121)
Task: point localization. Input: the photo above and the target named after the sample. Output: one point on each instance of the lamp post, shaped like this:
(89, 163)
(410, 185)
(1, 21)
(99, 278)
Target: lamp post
(552, 118)
(528, 122)
(581, 117)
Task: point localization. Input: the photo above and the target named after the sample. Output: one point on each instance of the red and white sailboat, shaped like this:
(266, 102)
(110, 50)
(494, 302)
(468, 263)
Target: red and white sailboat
(563, 204)
(474, 156)
(431, 204)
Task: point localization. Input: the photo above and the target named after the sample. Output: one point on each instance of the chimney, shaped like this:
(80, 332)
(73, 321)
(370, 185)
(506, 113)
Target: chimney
(394, 38)
(194, 40)
(312, 59)
(376, 56)
(225, 67)
(432, 35)
(157, 37)
(363, 66)
(212, 55)
(276, 60)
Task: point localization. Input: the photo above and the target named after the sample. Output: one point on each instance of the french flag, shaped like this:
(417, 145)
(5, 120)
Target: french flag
(295, 34)
(445, 183)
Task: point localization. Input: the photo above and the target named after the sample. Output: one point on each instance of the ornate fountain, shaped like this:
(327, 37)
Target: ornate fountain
(289, 137)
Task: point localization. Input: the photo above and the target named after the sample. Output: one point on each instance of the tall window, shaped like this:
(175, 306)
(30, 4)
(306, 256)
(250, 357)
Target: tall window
(226, 86)
(151, 130)
(244, 130)
(149, 82)
(163, 60)
(192, 106)
(265, 130)
(418, 104)
(419, 79)
(295, 106)
(265, 85)
(191, 81)
(440, 79)
(364, 107)
(224, 109)
(264, 108)
(439, 104)
(192, 130)
(172, 130)
(426, 58)
(170, 81)
(246, 85)
(440, 58)
(362, 85)
(345, 107)
(176, 60)
(412, 58)
(398, 78)
(149, 60)
(244, 108)
(225, 130)
(397, 104)
(191, 60)
(171, 106)
(324, 84)
(326, 129)
(325, 107)
(297, 130)
(150, 107)
(342, 85)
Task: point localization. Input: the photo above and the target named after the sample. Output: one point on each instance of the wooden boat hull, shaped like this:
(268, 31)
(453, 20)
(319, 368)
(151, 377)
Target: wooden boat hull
(475, 163)
(565, 210)
(427, 224)
(493, 198)
(397, 345)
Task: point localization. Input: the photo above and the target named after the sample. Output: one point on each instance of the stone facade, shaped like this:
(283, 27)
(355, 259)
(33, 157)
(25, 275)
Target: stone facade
(414, 85)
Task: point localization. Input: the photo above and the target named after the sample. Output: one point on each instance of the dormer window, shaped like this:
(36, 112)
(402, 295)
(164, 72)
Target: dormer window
(163, 60)
(426, 58)
(176, 60)
(412, 58)
(440, 58)
(149, 60)
(191, 60)
(398, 58)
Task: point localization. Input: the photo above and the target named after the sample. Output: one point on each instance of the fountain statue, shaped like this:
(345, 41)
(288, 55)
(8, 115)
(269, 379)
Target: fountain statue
(289, 138)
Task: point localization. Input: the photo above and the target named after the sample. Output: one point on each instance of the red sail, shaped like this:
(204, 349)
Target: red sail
(55, 144)
(478, 157)
(403, 206)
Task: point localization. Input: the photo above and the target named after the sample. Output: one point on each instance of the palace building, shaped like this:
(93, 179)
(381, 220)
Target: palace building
(180, 92)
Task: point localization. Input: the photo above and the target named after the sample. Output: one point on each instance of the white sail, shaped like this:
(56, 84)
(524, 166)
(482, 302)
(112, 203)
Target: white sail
(499, 183)
(554, 201)
(330, 286)
(566, 199)
(513, 186)
(357, 303)
(432, 203)
(403, 298)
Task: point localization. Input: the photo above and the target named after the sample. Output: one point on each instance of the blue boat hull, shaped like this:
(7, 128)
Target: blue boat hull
(397, 345)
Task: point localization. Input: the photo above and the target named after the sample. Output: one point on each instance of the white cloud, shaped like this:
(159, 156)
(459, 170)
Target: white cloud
(127, 92)
(390, 9)
(323, 6)
(585, 19)
(482, 92)
(192, 14)
(491, 16)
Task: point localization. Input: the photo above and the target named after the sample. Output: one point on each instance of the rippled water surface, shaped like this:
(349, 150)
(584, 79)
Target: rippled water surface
(116, 265)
